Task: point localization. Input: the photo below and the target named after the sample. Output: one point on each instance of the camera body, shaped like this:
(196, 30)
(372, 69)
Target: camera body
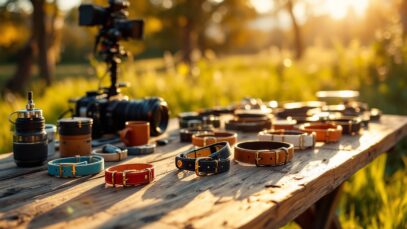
(110, 115)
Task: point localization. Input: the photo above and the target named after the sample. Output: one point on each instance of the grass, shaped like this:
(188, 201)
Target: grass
(374, 197)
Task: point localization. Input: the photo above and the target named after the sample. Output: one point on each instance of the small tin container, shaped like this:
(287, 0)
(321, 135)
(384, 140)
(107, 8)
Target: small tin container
(75, 136)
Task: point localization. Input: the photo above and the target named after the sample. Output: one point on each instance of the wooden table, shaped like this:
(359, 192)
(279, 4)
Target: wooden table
(243, 197)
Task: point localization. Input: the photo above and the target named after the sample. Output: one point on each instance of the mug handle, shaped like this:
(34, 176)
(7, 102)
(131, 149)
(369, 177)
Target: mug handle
(123, 135)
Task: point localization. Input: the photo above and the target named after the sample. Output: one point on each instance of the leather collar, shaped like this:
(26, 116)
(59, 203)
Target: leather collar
(325, 132)
(129, 174)
(350, 125)
(76, 166)
(111, 153)
(187, 119)
(301, 140)
(205, 139)
(185, 135)
(248, 126)
(249, 121)
(300, 109)
(264, 153)
(212, 159)
(284, 124)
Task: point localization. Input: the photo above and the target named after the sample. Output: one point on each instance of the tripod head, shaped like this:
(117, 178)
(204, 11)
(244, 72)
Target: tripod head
(114, 26)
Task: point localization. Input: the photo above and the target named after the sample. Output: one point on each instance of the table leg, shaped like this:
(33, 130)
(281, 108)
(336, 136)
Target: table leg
(322, 213)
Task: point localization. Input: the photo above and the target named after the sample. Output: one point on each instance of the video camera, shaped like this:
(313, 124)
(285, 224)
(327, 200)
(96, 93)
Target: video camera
(113, 18)
(107, 107)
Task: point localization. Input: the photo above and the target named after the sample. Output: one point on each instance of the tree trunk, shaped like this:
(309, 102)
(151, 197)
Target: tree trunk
(40, 44)
(403, 15)
(23, 72)
(42, 35)
(187, 44)
(297, 32)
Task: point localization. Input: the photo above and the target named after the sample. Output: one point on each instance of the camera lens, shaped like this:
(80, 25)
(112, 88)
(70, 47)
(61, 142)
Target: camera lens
(153, 110)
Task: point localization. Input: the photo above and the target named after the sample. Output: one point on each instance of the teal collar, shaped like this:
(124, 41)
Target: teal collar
(76, 166)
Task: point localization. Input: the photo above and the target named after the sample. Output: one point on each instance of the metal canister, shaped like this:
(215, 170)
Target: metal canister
(51, 132)
(30, 145)
(75, 136)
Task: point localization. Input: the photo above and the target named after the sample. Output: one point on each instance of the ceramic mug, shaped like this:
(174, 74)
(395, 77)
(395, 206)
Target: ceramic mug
(136, 133)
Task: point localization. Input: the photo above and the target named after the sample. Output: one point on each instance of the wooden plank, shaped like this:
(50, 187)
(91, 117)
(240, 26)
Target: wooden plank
(244, 196)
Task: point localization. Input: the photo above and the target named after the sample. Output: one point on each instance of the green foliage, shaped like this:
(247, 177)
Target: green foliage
(372, 199)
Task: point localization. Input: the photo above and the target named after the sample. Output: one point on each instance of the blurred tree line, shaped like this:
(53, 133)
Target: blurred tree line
(36, 31)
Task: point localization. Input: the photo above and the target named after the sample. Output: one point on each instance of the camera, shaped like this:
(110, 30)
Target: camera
(110, 115)
(113, 18)
(108, 108)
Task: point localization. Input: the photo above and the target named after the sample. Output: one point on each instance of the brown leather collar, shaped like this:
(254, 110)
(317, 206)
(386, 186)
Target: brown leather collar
(325, 132)
(264, 153)
(204, 139)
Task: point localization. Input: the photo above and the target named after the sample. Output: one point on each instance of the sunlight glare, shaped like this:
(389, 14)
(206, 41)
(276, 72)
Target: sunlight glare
(262, 6)
(338, 9)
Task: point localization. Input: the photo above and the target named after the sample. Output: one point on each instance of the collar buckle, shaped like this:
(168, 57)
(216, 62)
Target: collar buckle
(207, 138)
(258, 158)
(197, 165)
(150, 174)
(63, 165)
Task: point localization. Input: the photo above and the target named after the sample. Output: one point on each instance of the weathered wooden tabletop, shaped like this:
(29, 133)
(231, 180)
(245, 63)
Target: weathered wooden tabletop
(245, 196)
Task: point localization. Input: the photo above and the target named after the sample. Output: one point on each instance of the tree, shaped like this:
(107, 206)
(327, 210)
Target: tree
(296, 29)
(185, 23)
(288, 5)
(403, 15)
(42, 43)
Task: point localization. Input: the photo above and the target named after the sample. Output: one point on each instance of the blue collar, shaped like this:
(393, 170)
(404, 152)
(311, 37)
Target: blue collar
(76, 166)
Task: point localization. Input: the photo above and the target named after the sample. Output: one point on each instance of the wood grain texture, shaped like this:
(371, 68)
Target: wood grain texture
(246, 196)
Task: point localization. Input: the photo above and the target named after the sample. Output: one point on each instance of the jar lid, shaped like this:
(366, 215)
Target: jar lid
(75, 126)
(75, 121)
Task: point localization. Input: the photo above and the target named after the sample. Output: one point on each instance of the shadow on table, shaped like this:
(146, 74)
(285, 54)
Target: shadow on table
(178, 188)
(84, 205)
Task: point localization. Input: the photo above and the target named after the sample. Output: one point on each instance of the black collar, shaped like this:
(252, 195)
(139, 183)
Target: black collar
(210, 159)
